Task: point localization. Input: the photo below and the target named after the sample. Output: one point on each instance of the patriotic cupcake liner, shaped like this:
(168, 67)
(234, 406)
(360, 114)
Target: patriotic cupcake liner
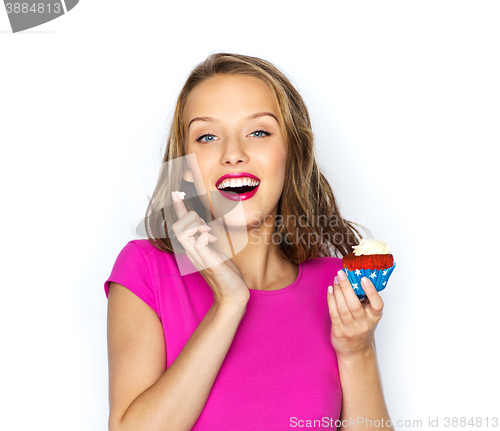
(379, 278)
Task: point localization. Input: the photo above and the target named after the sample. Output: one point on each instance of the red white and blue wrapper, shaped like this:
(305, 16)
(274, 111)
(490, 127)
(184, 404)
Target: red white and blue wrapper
(379, 278)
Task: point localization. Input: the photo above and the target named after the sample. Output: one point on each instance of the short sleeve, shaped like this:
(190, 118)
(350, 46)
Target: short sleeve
(132, 271)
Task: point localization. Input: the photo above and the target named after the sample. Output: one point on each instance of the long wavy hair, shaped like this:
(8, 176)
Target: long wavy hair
(306, 191)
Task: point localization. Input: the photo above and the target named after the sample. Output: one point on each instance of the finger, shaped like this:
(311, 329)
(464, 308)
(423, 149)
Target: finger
(187, 237)
(332, 308)
(208, 257)
(376, 303)
(193, 227)
(342, 307)
(190, 241)
(186, 222)
(365, 302)
(195, 260)
(179, 206)
(352, 300)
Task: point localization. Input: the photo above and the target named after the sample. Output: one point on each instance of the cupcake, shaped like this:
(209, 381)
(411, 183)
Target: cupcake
(371, 259)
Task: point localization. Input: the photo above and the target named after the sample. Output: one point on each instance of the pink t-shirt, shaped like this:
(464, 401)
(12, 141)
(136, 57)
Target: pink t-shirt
(281, 369)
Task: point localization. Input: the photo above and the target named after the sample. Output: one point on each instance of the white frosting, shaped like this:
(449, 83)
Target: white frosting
(181, 195)
(371, 246)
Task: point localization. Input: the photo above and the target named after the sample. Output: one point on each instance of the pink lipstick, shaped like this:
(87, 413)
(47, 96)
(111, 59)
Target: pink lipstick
(238, 193)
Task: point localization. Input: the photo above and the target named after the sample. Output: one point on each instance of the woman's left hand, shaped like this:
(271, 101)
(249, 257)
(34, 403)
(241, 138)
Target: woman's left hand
(353, 322)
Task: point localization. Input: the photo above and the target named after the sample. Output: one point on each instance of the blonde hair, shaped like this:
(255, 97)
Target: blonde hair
(306, 191)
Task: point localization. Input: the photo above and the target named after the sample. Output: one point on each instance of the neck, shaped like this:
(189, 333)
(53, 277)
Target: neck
(255, 252)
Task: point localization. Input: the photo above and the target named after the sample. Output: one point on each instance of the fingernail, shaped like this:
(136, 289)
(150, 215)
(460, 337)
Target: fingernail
(330, 289)
(365, 281)
(336, 280)
(342, 275)
(175, 198)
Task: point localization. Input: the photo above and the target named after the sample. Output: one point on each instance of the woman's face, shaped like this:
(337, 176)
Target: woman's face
(231, 124)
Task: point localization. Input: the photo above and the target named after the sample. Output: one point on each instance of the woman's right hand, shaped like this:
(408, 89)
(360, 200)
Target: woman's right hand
(220, 272)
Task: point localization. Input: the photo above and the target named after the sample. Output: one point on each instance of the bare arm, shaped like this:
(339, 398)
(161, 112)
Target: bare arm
(143, 396)
(176, 399)
(362, 395)
(352, 337)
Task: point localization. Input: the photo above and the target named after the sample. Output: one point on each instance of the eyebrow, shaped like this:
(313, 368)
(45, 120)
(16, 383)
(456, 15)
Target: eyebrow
(250, 117)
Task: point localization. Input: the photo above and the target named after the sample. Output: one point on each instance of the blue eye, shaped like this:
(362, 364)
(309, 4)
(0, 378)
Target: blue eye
(211, 138)
(200, 139)
(261, 131)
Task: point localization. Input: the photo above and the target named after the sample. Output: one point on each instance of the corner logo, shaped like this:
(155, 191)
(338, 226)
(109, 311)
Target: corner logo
(28, 14)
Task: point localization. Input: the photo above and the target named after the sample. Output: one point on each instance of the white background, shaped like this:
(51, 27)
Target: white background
(404, 99)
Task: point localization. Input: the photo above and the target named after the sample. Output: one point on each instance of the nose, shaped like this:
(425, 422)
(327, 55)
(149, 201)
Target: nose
(233, 152)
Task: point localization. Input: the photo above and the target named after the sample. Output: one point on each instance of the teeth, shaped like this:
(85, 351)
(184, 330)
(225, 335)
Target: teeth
(238, 182)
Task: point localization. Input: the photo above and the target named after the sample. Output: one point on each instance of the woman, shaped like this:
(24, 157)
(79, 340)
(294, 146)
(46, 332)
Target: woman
(255, 341)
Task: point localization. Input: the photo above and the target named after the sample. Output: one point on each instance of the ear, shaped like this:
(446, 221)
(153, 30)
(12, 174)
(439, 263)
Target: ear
(188, 176)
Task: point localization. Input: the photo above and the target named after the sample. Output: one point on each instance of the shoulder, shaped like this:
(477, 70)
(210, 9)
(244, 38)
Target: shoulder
(134, 268)
(321, 268)
(158, 262)
(144, 248)
(142, 255)
(143, 245)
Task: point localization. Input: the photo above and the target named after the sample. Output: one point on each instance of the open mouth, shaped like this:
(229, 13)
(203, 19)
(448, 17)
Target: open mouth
(239, 190)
